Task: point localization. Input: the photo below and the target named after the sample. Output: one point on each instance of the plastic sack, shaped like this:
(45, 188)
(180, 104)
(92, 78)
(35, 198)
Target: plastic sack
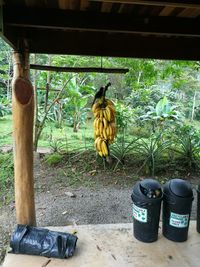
(38, 241)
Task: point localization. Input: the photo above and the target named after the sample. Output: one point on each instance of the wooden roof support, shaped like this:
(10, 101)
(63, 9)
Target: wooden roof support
(172, 3)
(103, 34)
(78, 69)
(61, 20)
(125, 45)
(23, 113)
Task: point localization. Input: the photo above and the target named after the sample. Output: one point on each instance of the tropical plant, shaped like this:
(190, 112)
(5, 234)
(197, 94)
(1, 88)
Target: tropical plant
(76, 102)
(122, 148)
(151, 151)
(162, 115)
(124, 116)
(187, 145)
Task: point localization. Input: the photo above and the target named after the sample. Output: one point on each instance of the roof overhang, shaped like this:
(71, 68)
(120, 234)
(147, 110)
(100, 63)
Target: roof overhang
(98, 33)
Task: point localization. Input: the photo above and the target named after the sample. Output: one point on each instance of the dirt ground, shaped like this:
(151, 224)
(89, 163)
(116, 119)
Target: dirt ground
(95, 197)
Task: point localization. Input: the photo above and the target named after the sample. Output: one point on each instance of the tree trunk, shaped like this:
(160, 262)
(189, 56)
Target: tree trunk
(47, 85)
(9, 59)
(193, 105)
(76, 123)
(35, 105)
(23, 114)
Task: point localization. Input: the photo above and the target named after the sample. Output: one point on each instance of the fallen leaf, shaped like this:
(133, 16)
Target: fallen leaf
(113, 257)
(99, 248)
(93, 172)
(64, 212)
(70, 194)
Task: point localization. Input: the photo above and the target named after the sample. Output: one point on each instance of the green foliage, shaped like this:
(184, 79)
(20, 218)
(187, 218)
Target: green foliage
(53, 159)
(163, 116)
(122, 148)
(5, 107)
(151, 151)
(124, 115)
(187, 145)
(5, 69)
(6, 172)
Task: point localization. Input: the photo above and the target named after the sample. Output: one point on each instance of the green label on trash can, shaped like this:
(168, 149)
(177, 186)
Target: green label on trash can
(179, 220)
(139, 214)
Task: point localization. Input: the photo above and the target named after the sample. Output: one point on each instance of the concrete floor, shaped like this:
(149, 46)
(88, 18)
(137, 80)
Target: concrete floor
(113, 245)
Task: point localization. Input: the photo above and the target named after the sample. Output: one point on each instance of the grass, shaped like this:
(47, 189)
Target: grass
(6, 177)
(87, 170)
(66, 136)
(6, 131)
(65, 142)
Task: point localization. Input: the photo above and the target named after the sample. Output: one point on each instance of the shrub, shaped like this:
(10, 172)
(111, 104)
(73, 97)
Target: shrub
(53, 159)
(151, 151)
(187, 145)
(122, 148)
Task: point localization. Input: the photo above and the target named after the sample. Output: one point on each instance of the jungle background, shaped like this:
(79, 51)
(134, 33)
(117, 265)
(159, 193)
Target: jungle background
(158, 135)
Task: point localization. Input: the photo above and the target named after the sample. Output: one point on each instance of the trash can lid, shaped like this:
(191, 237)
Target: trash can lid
(150, 184)
(181, 188)
(151, 188)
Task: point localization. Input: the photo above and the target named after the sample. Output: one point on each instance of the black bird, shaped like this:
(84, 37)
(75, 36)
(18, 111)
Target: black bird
(101, 93)
(98, 94)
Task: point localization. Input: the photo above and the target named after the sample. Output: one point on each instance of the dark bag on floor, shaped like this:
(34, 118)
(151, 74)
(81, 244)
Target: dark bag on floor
(37, 241)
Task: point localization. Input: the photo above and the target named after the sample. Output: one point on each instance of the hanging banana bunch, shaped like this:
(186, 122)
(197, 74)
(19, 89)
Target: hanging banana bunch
(104, 122)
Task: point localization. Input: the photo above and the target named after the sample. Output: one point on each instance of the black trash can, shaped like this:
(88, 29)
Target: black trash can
(146, 197)
(177, 204)
(198, 209)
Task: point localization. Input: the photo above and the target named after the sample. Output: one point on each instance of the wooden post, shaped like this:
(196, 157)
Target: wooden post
(23, 114)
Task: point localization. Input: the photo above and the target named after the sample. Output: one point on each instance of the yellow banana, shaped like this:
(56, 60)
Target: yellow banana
(105, 114)
(109, 102)
(100, 153)
(95, 107)
(105, 136)
(97, 132)
(101, 114)
(108, 114)
(97, 114)
(101, 128)
(104, 148)
(112, 109)
(98, 143)
(95, 124)
(108, 130)
(105, 123)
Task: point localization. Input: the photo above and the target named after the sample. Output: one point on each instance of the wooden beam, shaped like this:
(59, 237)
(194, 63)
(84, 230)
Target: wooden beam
(84, 4)
(52, 90)
(166, 11)
(99, 22)
(114, 45)
(172, 3)
(106, 7)
(23, 113)
(78, 69)
(141, 43)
